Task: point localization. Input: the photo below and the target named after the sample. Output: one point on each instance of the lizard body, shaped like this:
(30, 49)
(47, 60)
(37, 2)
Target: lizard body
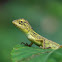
(33, 36)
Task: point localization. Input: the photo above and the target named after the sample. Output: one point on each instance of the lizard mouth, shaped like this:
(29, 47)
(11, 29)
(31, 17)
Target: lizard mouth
(13, 22)
(16, 24)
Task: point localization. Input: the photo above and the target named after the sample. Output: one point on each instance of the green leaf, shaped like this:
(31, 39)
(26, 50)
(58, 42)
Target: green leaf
(29, 54)
(55, 56)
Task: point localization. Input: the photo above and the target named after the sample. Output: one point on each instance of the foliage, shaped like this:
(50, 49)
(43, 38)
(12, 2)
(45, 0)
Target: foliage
(31, 54)
(32, 10)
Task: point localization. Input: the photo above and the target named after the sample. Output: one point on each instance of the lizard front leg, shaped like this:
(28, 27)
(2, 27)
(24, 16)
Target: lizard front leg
(26, 44)
(30, 44)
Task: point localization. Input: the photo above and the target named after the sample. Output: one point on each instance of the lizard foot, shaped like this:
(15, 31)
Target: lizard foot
(26, 44)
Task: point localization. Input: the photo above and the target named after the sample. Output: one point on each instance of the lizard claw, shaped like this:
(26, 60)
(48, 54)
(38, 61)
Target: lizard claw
(26, 44)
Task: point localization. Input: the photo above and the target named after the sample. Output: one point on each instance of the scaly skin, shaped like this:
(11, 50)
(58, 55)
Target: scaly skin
(34, 37)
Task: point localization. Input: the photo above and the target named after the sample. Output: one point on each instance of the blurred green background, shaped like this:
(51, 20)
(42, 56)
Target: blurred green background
(45, 16)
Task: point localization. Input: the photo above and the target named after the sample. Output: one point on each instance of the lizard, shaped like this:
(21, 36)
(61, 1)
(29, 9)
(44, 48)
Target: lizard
(34, 37)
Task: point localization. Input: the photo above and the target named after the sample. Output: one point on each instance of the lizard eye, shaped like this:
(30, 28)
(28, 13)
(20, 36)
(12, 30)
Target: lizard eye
(20, 22)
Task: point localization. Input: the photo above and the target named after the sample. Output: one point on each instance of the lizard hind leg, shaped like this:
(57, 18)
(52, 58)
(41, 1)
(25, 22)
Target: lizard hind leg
(43, 41)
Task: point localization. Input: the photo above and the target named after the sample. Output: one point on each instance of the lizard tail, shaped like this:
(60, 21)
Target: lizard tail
(60, 46)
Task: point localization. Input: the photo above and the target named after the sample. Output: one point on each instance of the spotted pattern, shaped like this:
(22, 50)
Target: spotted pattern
(26, 27)
(35, 35)
(53, 45)
(47, 43)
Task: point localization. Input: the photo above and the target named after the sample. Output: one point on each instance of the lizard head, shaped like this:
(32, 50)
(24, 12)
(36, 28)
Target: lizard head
(22, 24)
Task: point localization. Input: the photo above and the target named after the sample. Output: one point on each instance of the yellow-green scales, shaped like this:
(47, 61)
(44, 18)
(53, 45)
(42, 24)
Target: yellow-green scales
(33, 36)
